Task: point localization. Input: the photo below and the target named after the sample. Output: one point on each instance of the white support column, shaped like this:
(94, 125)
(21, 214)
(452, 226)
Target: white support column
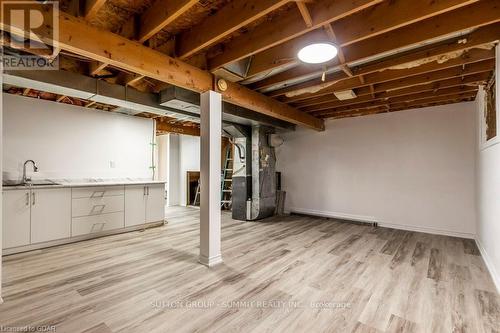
(210, 167)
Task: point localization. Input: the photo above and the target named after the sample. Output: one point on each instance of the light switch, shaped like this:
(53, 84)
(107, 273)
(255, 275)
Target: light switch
(112, 164)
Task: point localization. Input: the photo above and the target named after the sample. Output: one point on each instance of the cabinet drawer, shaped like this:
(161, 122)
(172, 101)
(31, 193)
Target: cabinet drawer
(97, 191)
(87, 225)
(97, 205)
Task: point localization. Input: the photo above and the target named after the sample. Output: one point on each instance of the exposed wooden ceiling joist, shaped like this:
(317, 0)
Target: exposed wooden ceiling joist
(383, 108)
(474, 56)
(79, 37)
(163, 127)
(286, 27)
(478, 14)
(365, 95)
(393, 100)
(229, 19)
(479, 38)
(161, 14)
(92, 7)
(95, 67)
(403, 82)
(306, 15)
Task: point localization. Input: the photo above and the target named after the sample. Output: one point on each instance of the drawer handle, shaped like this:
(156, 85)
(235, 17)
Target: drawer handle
(95, 226)
(97, 209)
(94, 195)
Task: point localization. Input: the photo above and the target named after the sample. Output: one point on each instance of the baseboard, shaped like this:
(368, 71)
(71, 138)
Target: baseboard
(489, 264)
(371, 219)
(38, 246)
(428, 230)
(342, 216)
(210, 261)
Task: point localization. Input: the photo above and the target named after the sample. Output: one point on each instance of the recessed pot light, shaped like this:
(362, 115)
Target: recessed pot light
(317, 53)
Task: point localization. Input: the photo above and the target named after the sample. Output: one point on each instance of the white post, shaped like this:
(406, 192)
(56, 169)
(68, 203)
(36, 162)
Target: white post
(210, 182)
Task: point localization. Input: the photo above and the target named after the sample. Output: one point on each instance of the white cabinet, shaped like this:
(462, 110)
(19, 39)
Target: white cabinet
(16, 218)
(97, 209)
(144, 204)
(155, 204)
(50, 214)
(135, 205)
(86, 225)
(33, 217)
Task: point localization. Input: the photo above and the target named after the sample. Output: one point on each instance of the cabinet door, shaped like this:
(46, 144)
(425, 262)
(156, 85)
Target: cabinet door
(50, 214)
(16, 218)
(135, 205)
(155, 207)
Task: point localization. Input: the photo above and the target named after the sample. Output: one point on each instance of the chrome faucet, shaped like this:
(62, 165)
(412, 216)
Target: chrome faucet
(35, 169)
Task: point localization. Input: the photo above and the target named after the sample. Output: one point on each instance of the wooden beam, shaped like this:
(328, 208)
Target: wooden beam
(476, 15)
(89, 104)
(302, 6)
(478, 38)
(236, 93)
(479, 14)
(363, 103)
(161, 14)
(397, 105)
(135, 80)
(378, 77)
(382, 109)
(286, 27)
(390, 15)
(232, 17)
(404, 82)
(92, 7)
(95, 67)
(79, 37)
(166, 127)
(372, 90)
(365, 94)
(60, 98)
(333, 38)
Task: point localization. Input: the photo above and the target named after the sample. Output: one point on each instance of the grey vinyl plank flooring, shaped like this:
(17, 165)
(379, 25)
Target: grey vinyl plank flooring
(283, 274)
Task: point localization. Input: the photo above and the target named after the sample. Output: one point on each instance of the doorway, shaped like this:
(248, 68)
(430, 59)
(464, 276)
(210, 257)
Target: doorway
(193, 178)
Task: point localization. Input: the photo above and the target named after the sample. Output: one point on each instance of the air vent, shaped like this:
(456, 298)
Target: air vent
(344, 95)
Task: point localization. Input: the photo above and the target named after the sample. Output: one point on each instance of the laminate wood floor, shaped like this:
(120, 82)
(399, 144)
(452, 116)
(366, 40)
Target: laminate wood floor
(288, 274)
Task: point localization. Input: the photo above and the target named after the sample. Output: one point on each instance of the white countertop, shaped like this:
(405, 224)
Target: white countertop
(62, 183)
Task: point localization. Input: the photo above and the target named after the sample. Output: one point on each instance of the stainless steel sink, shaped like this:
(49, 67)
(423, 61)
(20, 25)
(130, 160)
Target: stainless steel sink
(37, 182)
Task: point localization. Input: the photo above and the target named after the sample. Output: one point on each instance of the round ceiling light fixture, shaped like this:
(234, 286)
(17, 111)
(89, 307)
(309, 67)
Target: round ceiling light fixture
(317, 53)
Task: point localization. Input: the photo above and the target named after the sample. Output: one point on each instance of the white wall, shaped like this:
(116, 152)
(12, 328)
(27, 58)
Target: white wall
(1, 179)
(488, 188)
(73, 142)
(413, 169)
(178, 154)
(173, 171)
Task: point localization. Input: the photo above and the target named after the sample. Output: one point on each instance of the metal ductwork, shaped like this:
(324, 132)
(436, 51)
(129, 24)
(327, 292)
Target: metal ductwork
(242, 169)
(189, 101)
(129, 100)
(263, 201)
(173, 102)
(254, 173)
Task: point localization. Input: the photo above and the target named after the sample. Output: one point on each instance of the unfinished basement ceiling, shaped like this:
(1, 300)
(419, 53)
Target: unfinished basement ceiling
(391, 52)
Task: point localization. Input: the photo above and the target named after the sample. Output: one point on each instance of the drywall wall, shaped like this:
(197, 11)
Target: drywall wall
(488, 188)
(178, 154)
(412, 170)
(1, 178)
(73, 142)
